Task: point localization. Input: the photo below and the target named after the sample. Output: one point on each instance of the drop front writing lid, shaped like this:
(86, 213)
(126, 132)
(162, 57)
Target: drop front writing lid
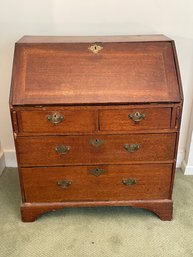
(94, 70)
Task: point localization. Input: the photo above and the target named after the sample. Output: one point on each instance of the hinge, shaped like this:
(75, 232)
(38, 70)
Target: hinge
(178, 117)
(14, 121)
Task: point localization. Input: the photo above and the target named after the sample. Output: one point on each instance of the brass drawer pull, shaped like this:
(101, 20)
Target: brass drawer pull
(62, 149)
(55, 118)
(132, 147)
(96, 142)
(129, 182)
(136, 116)
(97, 172)
(64, 183)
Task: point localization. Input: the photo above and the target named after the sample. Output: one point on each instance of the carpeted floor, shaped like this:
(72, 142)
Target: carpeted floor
(90, 232)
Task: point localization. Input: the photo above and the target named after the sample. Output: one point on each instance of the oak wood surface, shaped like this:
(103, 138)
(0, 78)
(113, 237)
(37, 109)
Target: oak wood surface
(74, 121)
(61, 107)
(88, 120)
(162, 208)
(92, 39)
(152, 182)
(95, 93)
(40, 151)
(157, 118)
(71, 74)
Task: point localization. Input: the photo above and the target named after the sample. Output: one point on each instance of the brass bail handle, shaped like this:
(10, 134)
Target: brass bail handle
(129, 182)
(131, 147)
(62, 149)
(55, 118)
(64, 183)
(136, 116)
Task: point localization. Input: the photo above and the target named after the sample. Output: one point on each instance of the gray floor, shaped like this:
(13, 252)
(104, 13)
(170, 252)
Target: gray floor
(108, 231)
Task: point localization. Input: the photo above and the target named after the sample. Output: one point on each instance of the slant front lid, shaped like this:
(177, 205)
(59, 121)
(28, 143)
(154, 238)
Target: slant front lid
(91, 73)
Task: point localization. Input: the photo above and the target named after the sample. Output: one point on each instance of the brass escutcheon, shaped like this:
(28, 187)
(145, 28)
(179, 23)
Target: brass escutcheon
(97, 172)
(96, 142)
(95, 48)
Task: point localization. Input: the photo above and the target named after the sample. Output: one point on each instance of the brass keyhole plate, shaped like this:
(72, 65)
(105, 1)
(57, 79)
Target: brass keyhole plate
(95, 48)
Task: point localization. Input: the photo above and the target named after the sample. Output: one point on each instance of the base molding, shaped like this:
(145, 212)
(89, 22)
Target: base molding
(2, 162)
(187, 169)
(180, 158)
(10, 158)
(162, 208)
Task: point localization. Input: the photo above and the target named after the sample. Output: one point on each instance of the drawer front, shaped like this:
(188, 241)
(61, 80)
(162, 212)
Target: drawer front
(57, 121)
(135, 119)
(116, 182)
(64, 150)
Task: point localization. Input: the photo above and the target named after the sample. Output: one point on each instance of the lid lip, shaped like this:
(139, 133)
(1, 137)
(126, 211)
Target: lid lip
(98, 104)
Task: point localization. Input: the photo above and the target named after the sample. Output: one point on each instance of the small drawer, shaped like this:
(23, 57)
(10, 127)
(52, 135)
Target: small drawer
(112, 149)
(135, 119)
(61, 121)
(107, 182)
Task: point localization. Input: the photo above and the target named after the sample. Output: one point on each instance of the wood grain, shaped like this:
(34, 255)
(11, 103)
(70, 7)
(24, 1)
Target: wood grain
(93, 39)
(158, 118)
(162, 208)
(152, 182)
(95, 93)
(74, 121)
(72, 74)
(40, 151)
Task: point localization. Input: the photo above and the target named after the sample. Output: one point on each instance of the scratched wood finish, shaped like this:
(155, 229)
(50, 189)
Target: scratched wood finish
(95, 93)
(152, 182)
(40, 151)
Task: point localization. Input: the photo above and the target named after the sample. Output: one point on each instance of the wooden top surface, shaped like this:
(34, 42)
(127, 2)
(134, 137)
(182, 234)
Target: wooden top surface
(137, 70)
(91, 39)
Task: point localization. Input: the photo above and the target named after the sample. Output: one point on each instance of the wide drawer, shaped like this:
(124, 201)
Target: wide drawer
(116, 182)
(64, 150)
(135, 119)
(57, 121)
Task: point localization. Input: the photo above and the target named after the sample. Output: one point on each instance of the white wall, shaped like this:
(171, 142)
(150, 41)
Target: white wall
(88, 17)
